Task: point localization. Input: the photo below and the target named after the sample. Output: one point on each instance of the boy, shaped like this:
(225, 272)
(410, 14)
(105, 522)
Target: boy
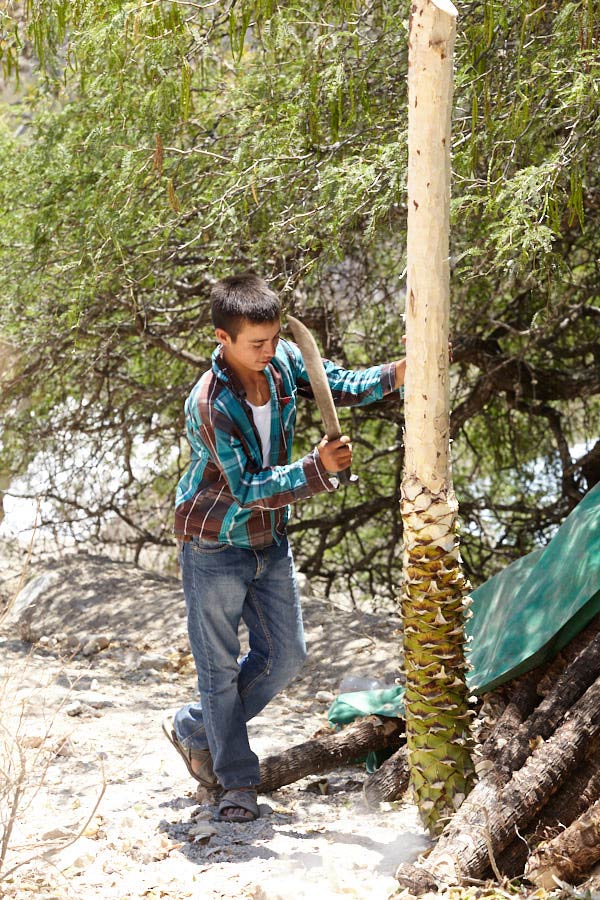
(230, 518)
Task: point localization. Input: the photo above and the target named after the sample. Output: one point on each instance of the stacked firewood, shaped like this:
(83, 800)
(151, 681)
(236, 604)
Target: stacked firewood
(535, 810)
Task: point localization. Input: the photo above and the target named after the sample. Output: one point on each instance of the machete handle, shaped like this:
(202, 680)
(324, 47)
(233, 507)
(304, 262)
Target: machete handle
(346, 476)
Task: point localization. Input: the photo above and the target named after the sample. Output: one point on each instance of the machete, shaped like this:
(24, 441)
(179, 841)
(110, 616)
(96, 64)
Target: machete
(320, 387)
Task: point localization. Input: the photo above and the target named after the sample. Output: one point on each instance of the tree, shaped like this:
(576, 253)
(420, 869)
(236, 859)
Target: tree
(436, 707)
(160, 145)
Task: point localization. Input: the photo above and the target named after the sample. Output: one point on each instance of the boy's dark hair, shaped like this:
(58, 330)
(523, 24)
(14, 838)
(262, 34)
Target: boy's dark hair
(240, 298)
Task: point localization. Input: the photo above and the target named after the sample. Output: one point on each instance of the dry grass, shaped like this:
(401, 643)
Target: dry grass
(27, 750)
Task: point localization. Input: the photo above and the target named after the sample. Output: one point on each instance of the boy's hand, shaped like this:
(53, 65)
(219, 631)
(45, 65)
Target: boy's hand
(336, 455)
(400, 372)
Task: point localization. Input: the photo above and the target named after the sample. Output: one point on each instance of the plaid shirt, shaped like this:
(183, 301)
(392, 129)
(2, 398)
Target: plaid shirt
(226, 494)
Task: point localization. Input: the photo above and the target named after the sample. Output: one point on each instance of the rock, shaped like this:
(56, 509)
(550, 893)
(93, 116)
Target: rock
(77, 856)
(202, 815)
(324, 697)
(74, 641)
(202, 832)
(94, 828)
(77, 708)
(321, 786)
(303, 584)
(25, 602)
(97, 701)
(32, 741)
(59, 834)
(95, 644)
(154, 661)
(265, 810)
(64, 747)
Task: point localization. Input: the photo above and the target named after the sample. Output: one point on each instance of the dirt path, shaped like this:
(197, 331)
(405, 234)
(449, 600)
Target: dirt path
(90, 729)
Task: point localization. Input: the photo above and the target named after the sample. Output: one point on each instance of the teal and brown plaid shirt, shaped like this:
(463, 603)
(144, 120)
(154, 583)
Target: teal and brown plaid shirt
(226, 494)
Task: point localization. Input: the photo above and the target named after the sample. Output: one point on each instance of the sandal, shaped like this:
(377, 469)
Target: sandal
(205, 776)
(239, 799)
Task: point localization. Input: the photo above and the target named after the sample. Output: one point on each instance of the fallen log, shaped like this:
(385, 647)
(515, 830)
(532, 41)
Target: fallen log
(579, 791)
(522, 701)
(512, 740)
(466, 852)
(570, 855)
(579, 674)
(390, 781)
(562, 680)
(330, 749)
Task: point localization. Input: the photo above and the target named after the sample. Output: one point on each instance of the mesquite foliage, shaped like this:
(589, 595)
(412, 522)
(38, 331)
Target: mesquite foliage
(149, 147)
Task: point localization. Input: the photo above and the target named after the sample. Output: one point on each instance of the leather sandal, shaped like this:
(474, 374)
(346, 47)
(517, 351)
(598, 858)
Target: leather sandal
(238, 798)
(205, 775)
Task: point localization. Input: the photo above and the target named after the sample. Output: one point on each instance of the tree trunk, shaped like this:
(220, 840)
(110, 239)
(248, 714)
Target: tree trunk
(327, 751)
(466, 853)
(570, 855)
(433, 604)
(390, 781)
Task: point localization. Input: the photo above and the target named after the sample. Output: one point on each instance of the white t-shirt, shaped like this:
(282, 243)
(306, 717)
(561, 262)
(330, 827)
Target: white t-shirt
(262, 420)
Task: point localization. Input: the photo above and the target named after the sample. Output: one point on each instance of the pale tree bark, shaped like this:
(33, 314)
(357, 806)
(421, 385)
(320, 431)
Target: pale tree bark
(433, 601)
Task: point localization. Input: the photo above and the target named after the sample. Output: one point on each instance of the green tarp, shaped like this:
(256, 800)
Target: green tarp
(521, 617)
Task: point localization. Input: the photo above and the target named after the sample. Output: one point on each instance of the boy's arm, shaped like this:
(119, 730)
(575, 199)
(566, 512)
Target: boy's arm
(348, 387)
(268, 488)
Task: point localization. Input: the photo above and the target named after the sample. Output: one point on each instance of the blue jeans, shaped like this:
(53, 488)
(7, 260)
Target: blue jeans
(222, 586)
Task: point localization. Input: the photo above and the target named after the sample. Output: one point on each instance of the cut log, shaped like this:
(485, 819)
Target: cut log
(576, 678)
(329, 750)
(465, 852)
(570, 855)
(522, 701)
(390, 781)
(515, 735)
(579, 791)
(582, 659)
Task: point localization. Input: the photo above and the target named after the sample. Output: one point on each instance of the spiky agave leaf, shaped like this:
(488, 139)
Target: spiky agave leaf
(434, 605)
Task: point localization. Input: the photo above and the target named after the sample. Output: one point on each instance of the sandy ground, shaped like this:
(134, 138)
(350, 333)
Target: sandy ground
(81, 713)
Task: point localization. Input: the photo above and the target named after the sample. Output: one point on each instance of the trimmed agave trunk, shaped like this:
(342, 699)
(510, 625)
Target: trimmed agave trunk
(433, 602)
(433, 606)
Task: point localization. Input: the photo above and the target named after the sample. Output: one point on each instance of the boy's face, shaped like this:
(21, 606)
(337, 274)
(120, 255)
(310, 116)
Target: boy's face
(253, 348)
